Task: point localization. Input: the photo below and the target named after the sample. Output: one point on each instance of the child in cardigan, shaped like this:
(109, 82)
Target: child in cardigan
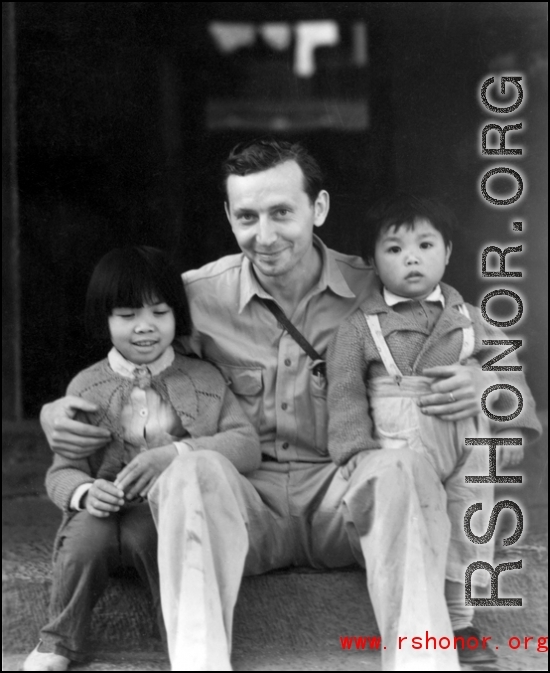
(376, 363)
(156, 404)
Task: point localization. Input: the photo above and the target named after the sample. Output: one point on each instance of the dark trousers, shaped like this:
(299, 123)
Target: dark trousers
(89, 550)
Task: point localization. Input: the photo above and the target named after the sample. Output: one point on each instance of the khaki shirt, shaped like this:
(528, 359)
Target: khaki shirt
(267, 370)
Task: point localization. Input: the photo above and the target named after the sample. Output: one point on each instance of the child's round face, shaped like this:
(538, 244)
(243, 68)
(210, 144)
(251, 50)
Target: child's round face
(142, 335)
(411, 261)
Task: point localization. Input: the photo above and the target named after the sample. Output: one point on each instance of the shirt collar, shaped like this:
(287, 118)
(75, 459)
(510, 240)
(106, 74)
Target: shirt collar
(250, 286)
(331, 277)
(392, 299)
(120, 365)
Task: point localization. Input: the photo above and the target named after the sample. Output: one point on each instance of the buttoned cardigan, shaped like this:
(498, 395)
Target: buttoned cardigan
(211, 417)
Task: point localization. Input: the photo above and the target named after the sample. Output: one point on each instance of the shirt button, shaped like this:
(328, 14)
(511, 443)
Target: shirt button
(288, 362)
(284, 406)
(143, 412)
(285, 445)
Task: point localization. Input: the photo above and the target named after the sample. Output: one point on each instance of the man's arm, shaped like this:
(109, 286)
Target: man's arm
(67, 436)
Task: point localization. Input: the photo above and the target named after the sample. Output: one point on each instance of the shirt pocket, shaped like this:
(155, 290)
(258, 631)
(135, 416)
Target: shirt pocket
(318, 391)
(247, 384)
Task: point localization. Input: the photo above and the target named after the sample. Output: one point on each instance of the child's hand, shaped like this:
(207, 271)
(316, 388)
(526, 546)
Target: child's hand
(508, 456)
(103, 498)
(142, 472)
(348, 469)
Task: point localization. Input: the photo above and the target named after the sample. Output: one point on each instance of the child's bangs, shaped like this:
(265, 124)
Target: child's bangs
(134, 284)
(130, 278)
(395, 224)
(134, 292)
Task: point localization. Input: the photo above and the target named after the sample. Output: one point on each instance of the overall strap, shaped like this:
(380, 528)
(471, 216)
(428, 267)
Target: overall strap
(468, 336)
(373, 324)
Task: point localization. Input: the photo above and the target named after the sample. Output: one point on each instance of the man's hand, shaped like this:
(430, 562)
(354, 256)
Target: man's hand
(456, 392)
(66, 436)
(103, 498)
(142, 472)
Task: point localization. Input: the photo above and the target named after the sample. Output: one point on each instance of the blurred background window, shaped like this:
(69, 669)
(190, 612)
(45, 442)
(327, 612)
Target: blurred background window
(295, 76)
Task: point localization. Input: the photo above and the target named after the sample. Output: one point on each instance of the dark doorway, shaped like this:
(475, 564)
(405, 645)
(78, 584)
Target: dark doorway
(126, 111)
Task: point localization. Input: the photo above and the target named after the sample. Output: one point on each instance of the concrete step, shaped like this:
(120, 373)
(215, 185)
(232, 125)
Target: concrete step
(269, 606)
(287, 620)
(287, 611)
(276, 659)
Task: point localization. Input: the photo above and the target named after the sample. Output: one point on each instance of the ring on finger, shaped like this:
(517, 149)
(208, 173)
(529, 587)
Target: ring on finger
(452, 397)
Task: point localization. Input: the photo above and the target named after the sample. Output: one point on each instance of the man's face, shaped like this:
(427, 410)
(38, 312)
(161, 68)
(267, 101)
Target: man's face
(411, 261)
(273, 218)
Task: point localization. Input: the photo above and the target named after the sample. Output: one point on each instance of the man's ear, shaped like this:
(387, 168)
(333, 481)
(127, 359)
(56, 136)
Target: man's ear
(448, 252)
(321, 208)
(227, 213)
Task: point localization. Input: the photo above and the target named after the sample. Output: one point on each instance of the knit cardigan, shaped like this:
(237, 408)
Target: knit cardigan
(352, 360)
(209, 413)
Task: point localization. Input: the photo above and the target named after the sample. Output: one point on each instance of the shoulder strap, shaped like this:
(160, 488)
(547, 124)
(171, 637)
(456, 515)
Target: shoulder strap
(299, 338)
(373, 323)
(468, 336)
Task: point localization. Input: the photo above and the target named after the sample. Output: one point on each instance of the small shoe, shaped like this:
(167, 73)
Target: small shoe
(472, 653)
(45, 661)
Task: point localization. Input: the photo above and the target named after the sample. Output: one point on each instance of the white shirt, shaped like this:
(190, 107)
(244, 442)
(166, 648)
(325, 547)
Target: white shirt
(425, 312)
(392, 299)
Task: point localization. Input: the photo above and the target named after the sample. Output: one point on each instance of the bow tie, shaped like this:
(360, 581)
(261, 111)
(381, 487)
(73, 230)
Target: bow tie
(142, 377)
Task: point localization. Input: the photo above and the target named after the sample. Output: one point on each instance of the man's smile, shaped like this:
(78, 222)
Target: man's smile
(269, 255)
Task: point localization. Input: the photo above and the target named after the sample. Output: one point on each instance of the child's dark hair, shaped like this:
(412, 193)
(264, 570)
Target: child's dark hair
(129, 277)
(402, 209)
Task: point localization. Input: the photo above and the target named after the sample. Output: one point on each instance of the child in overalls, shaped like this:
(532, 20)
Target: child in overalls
(375, 379)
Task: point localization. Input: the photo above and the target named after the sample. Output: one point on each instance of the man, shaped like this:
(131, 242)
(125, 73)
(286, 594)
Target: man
(299, 508)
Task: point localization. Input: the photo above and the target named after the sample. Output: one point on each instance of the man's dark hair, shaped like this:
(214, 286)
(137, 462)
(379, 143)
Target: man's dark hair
(260, 155)
(129, 277)
(403, 209)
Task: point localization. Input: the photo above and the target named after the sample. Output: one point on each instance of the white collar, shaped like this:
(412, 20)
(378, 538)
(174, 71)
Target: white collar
(391, 299)
(124, 367)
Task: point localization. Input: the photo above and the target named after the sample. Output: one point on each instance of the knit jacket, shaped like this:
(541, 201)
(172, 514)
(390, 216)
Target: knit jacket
(209, 413)
(352, 360)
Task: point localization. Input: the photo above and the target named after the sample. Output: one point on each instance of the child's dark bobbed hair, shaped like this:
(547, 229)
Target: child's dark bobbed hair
(130, 277)
(403, 209)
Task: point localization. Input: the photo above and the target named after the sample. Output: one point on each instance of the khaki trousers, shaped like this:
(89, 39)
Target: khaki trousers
(215, 525)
